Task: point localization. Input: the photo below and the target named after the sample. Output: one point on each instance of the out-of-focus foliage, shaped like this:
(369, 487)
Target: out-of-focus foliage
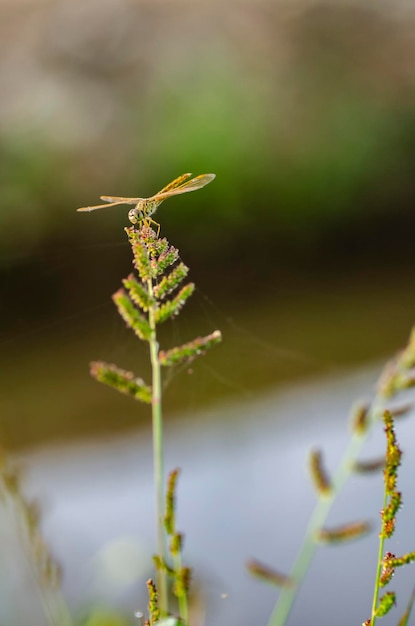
(100, 617)
(305, 113)
(305, 110)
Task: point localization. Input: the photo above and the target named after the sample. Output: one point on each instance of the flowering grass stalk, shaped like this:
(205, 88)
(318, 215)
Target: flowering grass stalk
(148, 298)
(397, 376)
(392, 501)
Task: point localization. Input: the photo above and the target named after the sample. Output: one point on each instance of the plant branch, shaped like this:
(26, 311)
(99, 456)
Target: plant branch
(158, 453)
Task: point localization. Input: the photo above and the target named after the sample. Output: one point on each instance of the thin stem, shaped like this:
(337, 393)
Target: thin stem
(158, 456)
(182, 596)
(43, 595)
(61, 611)
(378, 568)
(53, 603)
(320, 513)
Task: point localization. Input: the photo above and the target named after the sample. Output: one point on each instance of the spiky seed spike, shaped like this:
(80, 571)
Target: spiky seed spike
(152, 256)
(385, 604)
(182, 582)
(347, 532)
(366, 467)
(269, 574)
(131, 316)
(138, 293)
(171, 308)
(319, 475)
(170, 516)
(171, 281)
(401, 410)
(360, 419)
(162, 566)
(139, 241)
(389, 515)
(189, 351)
(159, 247)
(119, 379)
(176, 544)
(398, 561)
(153, 601)
(393, 452)
(164, 260)
(387, 569)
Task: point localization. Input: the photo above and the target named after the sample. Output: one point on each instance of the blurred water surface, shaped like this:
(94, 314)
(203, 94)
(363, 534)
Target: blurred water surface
(243, 492)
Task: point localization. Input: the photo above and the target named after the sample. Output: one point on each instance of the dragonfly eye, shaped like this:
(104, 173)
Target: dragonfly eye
(134, 216)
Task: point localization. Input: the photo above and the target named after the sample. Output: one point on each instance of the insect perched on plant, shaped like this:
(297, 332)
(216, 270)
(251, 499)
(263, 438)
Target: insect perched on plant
(145, 207)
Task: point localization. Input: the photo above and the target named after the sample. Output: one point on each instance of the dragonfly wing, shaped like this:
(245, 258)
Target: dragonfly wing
(191, 185)
(174, 183)
(118, 199)
(99, 206)
(177, 186)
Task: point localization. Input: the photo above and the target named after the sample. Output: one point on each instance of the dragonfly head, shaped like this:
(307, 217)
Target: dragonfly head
(134, 215)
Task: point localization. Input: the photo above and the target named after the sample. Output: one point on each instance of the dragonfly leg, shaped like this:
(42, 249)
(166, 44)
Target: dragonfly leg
(147, 221)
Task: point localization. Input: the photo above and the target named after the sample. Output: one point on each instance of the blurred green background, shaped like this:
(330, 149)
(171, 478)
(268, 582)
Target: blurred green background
(302, 248)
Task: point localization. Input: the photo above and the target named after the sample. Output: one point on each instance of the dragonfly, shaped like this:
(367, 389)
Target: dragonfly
(146, 207)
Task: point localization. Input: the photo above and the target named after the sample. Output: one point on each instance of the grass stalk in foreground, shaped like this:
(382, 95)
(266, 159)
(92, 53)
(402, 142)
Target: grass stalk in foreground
(397, 377)
(392, 501)
(147, 299)
(44, 569)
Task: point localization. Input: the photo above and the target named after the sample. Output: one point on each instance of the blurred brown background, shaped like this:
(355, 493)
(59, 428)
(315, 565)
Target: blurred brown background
(303, 254)
(302, 248)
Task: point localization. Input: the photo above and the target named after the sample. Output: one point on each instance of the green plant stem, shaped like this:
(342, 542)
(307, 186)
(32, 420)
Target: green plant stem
(158, 455)
(61, 611)
(320, 513)
(378, 568)
(182, 597)
(43, 595)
